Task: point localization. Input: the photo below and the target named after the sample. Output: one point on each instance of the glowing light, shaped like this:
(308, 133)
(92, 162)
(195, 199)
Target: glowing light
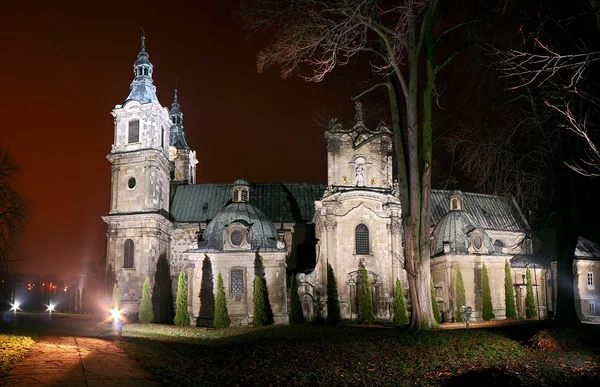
(15, 306)
(115, 314)
(50, 308)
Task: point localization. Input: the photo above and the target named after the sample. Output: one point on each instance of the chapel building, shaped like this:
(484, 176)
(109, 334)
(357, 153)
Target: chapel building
(161, 223)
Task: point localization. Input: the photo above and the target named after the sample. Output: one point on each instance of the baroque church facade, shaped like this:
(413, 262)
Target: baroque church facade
(161, 222)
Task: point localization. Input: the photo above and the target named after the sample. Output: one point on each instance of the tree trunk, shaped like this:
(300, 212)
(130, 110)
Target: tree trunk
(566, 241)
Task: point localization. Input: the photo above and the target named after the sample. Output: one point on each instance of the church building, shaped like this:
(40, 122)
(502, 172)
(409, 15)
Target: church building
(161, 222)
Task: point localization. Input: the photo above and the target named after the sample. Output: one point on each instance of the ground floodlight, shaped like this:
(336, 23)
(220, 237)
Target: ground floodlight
(16, 306)
(115, 314)
(50, 308)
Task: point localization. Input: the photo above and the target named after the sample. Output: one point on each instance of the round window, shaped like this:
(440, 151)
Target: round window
(236, 237)
(477, 242)
(131, 183)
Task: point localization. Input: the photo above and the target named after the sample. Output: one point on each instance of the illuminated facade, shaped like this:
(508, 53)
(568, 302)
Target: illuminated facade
(161, 223)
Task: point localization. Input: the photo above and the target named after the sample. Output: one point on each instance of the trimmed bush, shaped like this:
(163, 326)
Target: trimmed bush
(400, 315)
(461, 298)
(296, 313)
(261, 303)
(182, 316)
(333, 303)
(434, 306)
(509, 293)
(207, 295)
(530, 311)
(365, 299)
(116, 297)
(146, 314)
(487, 309)
(222, 319)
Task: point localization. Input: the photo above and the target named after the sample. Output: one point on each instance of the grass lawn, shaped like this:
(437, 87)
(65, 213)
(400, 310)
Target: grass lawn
(12, 347)
(351, 355)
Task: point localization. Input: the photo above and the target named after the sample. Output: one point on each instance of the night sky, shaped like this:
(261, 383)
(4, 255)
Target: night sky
(66, 64)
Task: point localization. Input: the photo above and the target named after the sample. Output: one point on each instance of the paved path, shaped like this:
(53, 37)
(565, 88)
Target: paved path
(71, 354)
(77, 361)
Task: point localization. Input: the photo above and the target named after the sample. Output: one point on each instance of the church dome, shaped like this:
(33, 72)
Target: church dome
(240, 226)
(457, 233)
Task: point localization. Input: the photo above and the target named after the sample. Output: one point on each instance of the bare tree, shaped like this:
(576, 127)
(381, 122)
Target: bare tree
(13, 211)
(520, 146)
(314, 37)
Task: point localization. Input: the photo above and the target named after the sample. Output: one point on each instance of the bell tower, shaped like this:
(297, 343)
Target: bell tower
(180, 153)
(138, 221)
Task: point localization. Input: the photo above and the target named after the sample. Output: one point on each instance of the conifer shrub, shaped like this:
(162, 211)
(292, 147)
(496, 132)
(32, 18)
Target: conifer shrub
(400, 315)
(146, 314)
(221, 319)
(434, 306)
(182, 316)
(296, 313)
(530, 311)
(487, 309)
(509, 293)
(365, 299)
(207, 295)
(261, 307)
(333, 303)
(461, 298)
(116, 297)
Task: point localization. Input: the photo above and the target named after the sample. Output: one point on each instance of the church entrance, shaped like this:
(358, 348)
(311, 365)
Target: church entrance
(354, 281)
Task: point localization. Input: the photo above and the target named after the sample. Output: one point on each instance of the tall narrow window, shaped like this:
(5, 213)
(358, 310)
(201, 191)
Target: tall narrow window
(592, 309)
(590, 280)
(134, 131)
(244, 195)
(237, 281)
(128, 254)
(162, 137)
(361, 239)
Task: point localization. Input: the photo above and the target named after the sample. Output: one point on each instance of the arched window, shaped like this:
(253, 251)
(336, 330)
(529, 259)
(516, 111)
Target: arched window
(361, 239)
(134, 131)
(498, 245)
(128, 254)
(244, 195)
(236, 195)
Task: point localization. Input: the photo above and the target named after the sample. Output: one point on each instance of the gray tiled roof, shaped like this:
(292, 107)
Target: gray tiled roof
(586, 249)
(280, 202)
(489, 211)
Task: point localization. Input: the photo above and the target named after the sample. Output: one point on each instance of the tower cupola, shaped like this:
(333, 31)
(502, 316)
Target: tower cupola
(142, 88)
(240, 191)
(177, 138)
(456, 200)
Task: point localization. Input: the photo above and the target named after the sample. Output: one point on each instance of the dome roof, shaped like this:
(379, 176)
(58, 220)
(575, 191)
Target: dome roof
(241, 182)
(261, 231)
(455, 229)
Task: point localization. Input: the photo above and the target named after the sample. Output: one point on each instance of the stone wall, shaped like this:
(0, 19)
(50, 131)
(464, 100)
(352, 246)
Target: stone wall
(240, 305)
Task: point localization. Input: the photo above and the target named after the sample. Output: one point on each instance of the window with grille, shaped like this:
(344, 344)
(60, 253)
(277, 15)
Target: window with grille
(590, 281)
(361, 239)
(128, 254)
(134, 131)
(244, 195)
(237, 281)
(592, 309)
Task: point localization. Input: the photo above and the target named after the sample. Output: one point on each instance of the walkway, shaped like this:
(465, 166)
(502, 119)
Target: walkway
(77, 361)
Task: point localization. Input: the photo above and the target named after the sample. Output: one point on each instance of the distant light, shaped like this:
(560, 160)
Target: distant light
(16, 306)
(115, 314)
(50, 308)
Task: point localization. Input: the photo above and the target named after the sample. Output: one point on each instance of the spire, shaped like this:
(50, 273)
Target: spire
(142, 87)
(177, 133)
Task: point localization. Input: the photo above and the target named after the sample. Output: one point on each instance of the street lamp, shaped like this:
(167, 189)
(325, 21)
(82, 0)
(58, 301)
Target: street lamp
(15, 306)
(51, 307)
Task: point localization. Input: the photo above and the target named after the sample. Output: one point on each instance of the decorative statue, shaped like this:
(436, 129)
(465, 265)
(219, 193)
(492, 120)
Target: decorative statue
(359, 174)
